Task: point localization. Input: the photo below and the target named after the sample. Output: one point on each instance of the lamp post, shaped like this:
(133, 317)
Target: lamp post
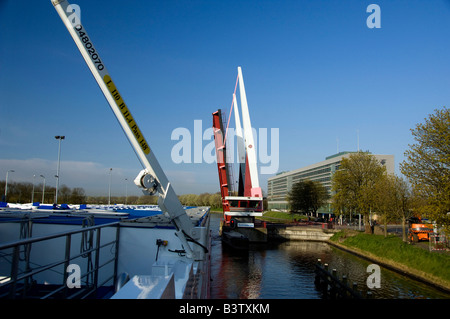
(126, 191)
(43, 189)
(58, 137)
(109, 192)
(32, 192)
(6, 183)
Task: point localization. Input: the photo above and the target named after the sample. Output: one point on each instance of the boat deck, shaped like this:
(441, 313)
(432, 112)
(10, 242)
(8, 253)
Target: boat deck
(108, 243)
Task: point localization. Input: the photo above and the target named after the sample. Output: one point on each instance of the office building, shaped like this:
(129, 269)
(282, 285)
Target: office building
(281, 184)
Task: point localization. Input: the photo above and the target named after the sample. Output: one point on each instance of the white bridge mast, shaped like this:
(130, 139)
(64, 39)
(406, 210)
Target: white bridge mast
(248, 139)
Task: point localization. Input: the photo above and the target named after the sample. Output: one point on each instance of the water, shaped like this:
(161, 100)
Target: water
(286, 271)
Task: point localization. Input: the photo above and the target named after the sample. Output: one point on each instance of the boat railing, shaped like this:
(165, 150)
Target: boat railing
(21, 284)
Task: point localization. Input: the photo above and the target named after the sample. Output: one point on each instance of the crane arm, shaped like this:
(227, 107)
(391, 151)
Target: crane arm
(152, 178)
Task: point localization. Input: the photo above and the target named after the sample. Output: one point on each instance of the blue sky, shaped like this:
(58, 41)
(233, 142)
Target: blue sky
(313, 69)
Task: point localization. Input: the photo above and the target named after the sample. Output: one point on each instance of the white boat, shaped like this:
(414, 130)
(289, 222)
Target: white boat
(103, 252)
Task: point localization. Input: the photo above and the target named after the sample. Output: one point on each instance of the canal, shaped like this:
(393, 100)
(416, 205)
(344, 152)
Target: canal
(286, 271)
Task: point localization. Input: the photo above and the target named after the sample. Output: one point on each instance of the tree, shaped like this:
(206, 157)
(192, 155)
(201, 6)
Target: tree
(64, 194)
(392, 201)
(295, 197)
(307, 196)
(404, 202)
(427, 165)
(203, 199)
(384, 199)
(77, 196)
(147, 200)
(215, 200)
(353, 184)
(132, 200)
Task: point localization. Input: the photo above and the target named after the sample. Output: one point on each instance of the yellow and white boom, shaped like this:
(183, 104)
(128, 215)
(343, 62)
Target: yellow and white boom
(152, 178)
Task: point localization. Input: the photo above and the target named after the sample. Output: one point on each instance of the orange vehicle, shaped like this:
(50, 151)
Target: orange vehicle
(419, 231)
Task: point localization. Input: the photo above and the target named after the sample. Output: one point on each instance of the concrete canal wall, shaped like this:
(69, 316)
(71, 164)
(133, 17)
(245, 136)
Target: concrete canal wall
(286, 232)
(283, 232)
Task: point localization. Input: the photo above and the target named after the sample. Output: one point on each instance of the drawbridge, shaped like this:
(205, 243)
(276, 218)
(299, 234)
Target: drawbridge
(242, 199)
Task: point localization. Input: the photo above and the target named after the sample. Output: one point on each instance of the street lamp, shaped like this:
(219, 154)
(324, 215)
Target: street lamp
(126, 191)
(6, 183)
(32, 192)
(58, 137)
(109, 191)
(43, 189)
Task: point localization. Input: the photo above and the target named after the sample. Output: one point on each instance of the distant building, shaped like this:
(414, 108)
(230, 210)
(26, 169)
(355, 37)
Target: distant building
(280, 185)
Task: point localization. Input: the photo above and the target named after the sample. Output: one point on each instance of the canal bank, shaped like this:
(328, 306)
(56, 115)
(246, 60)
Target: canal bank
(324, 233)
(285, 269)
(421, 275)
(397, 267)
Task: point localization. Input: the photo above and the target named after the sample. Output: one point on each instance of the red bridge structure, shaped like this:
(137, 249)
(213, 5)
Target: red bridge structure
(242, 202)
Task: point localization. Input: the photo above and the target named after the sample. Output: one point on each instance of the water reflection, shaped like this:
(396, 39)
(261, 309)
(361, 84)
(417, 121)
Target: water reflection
(286, 271)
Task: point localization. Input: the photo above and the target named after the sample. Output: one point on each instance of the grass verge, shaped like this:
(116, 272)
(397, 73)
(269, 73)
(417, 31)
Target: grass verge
(392, 250)
(282, 216)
